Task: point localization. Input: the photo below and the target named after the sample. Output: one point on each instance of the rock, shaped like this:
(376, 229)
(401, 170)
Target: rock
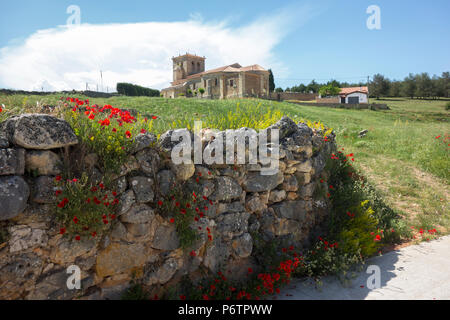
(216, 254)
(141, 230)
(143, 188)
(4, 142)
(230, 225)
(257, 183)
(243, 245)
(120, 258)
(90, 161)
(120, 185)
(318, 164)
(18, 274)
(183, 171)
(140, 213)
(119, 232)
(66, 251)
(226, 189)
(280, 227)
(43, 162)
(165, 238)
(305, 166)
(44, 190)
(162, 274)
(290, 183)
(304, 129)
(127, 199)
(302, 177)
(14, 193)
(165, 141)
(12, 161)
(235, 206)
(363, 133)
(277, 195)
(285, 126)
(166, 181)
(142, 141)
(292, 196)
(131, 164)
(203, 172)
(295, 210)
(114, 292)
(39, 131)
(23, 237)
(254, 204)
(148, 160)
(307, 191)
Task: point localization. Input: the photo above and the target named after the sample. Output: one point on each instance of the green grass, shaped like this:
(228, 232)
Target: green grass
(400, 154)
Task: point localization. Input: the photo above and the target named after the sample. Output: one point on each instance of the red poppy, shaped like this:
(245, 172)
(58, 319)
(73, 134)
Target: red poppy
(77, 238)
(114, 130)
(58, 178)
(143, 131)
(182, 297)
(154, 117)
(58, 192)
(193, 253)
(172, 220)
(250, 270)
(160, 203)
(128, 134)
(62, 230)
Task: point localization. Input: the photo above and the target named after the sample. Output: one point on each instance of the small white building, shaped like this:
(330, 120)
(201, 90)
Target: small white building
(354, 95)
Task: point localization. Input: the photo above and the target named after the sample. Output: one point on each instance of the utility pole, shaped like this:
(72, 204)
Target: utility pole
(101, 77)
(368, 93)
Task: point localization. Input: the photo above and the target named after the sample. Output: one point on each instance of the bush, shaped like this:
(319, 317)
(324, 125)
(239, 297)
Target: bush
(447, 106)
(129, 89)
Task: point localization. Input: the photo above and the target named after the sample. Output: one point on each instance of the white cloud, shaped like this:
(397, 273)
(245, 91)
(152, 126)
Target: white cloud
(65, 58)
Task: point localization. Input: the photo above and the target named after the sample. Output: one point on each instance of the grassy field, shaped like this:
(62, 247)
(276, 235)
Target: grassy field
(400, 155)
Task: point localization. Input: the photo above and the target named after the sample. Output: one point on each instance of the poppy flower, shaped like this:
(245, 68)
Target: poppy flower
(182, 297)
(62, 230)
(154, 117)
(160, 203)
(143, 131)
(58, 192)
(58, 178)
(114, 130)
(128, 134)
(193, 253)
(172, 220)
(78, 238)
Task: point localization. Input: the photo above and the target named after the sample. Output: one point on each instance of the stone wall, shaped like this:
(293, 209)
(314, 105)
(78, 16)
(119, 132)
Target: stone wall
(371, 106)
(281, 96)
(142, 242)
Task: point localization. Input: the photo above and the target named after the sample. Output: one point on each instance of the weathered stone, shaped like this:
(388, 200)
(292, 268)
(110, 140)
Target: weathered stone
(292, 196)
(183, 171)
(142, 231)
(90, 160)
(277, 195)
(166, 181)
(162, 274)
(307, 191)
(120, 258)
(257, 183)
(165, 238)
(216, 254)
(226, 189)
(304, 166)
(127, 199)
(67, 251)
(23, 237)
(148, 160)
(39, 131)
(44, 190)
(203, 172)
(302, 177)
(285, 126)
(142, 141)
(131, 164)
(167, 144)
(12, 161)
(318, 164)
(43, 162)
(235, 206)
(120, 185)
(230, 225)
(14, 193)
(290, 183)
(119, 232)
(291, 209)
(4, 142)
(140, 213)
(143, 188)
(243, 245)
(254, 204)
(281, 227)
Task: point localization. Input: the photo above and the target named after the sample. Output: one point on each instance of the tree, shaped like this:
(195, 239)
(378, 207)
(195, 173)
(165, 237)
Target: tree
(329, 90)
(313, 86)
(129, 89)
(201, 91)
(395, 89)
(424, 85)
(271, 81)
(379, 86)
(409, 86)
(278, 90)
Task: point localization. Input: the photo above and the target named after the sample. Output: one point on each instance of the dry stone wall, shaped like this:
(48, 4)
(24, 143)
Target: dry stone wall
(142, 242)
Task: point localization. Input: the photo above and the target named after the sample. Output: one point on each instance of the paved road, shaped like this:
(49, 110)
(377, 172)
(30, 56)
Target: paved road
(415, 272)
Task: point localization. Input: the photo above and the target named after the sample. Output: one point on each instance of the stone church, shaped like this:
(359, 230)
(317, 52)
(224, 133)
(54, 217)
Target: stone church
(231, 81)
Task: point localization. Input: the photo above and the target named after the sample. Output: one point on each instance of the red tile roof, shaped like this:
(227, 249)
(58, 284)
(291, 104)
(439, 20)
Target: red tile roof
(347, 91)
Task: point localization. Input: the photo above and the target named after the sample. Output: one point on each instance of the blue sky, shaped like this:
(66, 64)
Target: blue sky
(299, 40)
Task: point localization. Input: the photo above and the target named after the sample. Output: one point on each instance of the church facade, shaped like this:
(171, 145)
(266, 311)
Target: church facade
(232, 81)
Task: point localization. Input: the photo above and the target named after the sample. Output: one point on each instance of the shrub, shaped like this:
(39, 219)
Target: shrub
(84, 211)
(129, 89)
(447, 106)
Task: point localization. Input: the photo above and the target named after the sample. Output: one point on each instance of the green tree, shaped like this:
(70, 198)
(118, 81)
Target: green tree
(278, 90)
(409, 86)
(271, 81)
(379, 86)
(329, 90)
(424, 87)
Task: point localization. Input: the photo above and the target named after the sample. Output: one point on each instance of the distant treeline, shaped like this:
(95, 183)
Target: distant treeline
(87, 93)
(413, 86)
(129, 89)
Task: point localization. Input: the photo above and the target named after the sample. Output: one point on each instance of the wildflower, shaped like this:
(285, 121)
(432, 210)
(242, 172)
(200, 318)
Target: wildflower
(154, 117)
(128, 134)
(377, 237)
(143, 131)
(182, 297)
(172, 220)
(114, 130)
(58, 178)
(160, 203)
(193, 253)
(93, 234)
(250, 270)
(62, 230)
(78, 238)
(58, 192)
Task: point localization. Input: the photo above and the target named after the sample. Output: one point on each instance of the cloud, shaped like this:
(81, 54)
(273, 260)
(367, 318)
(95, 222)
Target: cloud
(65, 58)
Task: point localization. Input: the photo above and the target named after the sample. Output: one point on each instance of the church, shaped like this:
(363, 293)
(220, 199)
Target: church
(231, 81)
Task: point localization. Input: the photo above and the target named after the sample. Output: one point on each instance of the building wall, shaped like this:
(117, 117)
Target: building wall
(362, 97)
